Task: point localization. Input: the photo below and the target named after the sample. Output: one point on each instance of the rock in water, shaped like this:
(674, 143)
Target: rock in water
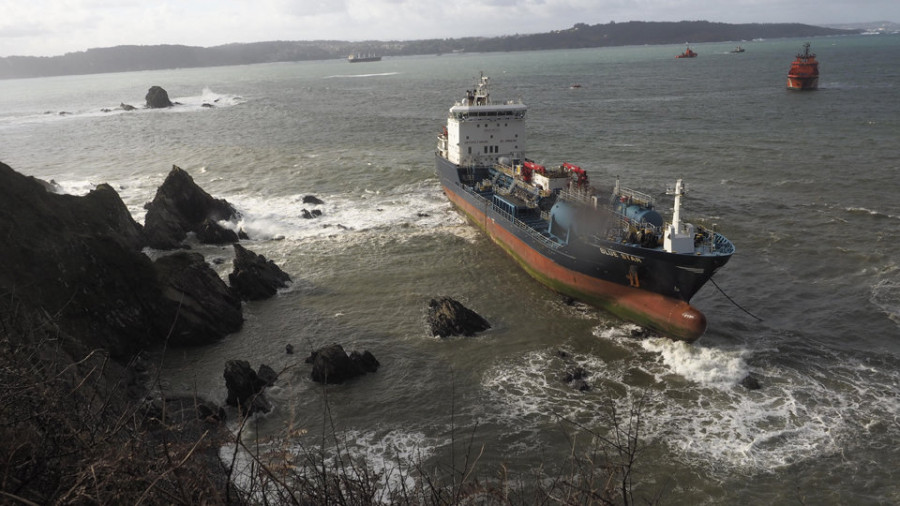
(204, 309)
(254, 277)
(179, 207)
(211, 232)
(245, 388)
(157, 98)
(448, 317)
(750, 382)
(331, 364)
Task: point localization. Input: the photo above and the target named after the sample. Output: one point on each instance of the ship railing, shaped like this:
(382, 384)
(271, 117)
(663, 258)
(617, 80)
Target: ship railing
(626, 231)
(635, 196)
(578, 195)
(542, 239)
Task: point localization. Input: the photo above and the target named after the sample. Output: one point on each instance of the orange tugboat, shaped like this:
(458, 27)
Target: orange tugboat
(688, 53)
(804, 73)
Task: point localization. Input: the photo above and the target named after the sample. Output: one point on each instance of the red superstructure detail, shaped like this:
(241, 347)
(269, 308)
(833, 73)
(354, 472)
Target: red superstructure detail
(804, 73)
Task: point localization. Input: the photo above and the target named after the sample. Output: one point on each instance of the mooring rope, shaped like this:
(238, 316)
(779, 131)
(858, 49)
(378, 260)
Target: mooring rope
(733, 301)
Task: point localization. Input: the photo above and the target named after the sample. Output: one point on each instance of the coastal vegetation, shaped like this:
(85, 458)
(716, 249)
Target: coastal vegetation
(135, 58)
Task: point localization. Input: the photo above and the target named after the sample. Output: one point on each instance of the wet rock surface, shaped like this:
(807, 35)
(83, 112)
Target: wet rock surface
(204, 308)
(181, 206)
(447, 317)
(331, 364)
(157, 98)
(254, 277)
(245, 388)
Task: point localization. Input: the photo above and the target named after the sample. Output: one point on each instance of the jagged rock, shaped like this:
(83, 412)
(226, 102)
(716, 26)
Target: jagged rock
(211, 232)
(245, 388)
(308, 215)
(179, 207)
(576, 378)
(577, 373)
(640, 333)
(289, 349)
(331, 364)
(157, 98)
(254, 277)
(126, 107)
(448, 317)
(78, 258)
(365, 361)
(312, 199)
(750, 383)
(267, 375)
(205, 307)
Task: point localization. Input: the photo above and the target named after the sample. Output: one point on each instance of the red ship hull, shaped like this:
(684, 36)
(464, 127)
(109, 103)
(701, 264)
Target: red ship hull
(802, 83)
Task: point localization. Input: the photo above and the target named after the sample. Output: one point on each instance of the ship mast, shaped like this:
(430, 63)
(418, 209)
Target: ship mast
(676, 213)
(679, 237)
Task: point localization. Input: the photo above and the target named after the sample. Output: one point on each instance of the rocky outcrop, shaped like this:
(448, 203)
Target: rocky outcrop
(577, 379)
(204, 309)
(750, 382)
(210, 232)
(254, 277)
(245, 388)
(179, 207)
(332, 364)
(78, 258)
(448, 317)
(158, 98)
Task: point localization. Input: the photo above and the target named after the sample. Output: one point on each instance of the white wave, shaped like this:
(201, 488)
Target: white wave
(361, 75)
(696, 406)
(191, 103)
(886, 296)
(206, 98)
(265, 218)
(871, 212)
(710, 367)
(74, 187)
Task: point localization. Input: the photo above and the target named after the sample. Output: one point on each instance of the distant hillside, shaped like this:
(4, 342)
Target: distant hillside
(131, 58)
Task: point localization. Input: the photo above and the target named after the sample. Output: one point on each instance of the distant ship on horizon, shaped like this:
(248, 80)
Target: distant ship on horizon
(361, 58)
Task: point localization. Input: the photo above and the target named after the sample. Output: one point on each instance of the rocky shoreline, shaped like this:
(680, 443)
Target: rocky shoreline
(79, 294)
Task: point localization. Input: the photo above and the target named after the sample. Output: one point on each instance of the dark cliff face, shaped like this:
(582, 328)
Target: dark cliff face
(78, 260)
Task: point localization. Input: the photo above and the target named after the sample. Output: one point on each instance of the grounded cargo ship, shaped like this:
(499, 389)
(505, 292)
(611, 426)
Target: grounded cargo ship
(611, 250)
(804, 72)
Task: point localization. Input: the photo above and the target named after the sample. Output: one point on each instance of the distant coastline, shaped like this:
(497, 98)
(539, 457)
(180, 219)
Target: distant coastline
(137, 58)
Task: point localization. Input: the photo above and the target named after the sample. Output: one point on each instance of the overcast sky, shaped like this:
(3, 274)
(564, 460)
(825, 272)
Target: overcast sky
(53, 27)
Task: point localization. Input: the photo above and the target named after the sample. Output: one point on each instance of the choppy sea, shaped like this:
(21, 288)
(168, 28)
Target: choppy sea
(804, 183)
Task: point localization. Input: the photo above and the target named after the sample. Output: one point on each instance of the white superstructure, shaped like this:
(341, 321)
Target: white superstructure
(479, 132)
